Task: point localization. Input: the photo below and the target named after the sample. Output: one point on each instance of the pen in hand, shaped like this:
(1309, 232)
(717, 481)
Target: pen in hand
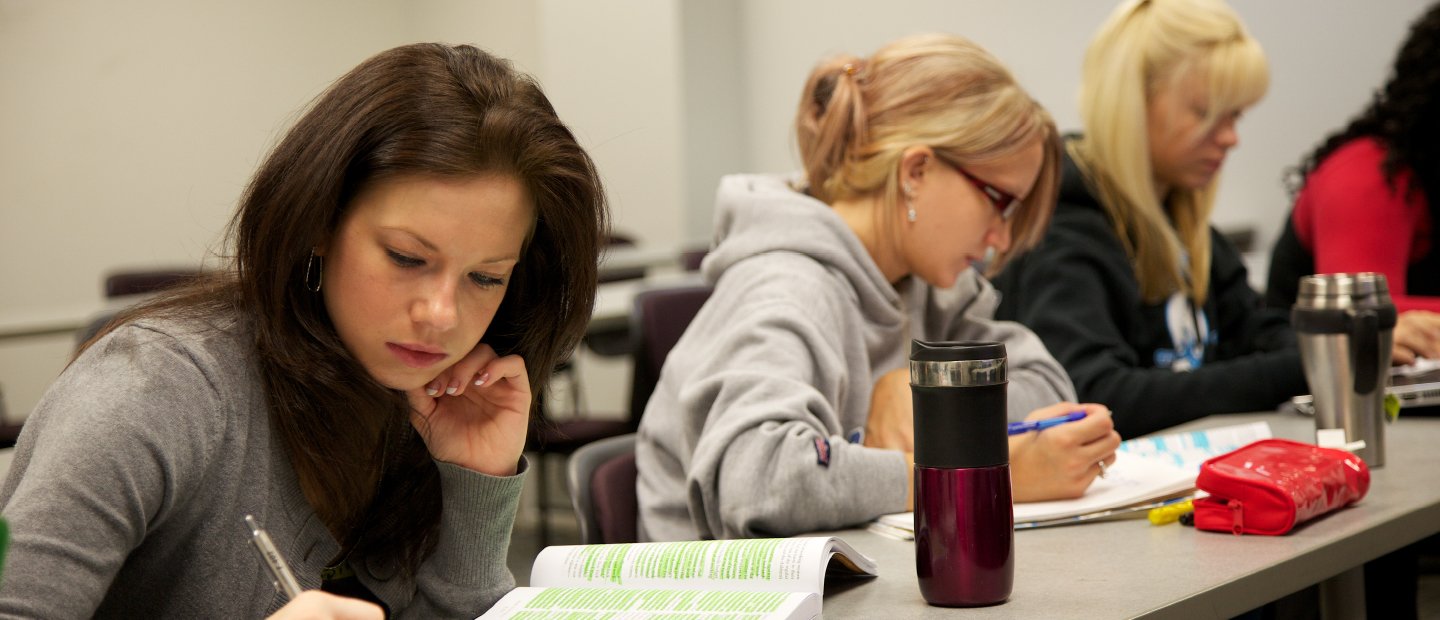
(1018, 428)
(284, 581)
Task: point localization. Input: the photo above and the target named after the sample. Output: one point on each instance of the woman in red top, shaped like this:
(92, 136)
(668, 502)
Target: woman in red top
(1369, 196)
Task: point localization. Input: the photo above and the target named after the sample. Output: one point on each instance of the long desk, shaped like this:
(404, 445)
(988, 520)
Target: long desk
(1125, 569)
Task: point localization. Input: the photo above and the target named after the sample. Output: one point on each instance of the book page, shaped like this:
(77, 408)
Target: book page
(1146, 470)
(759, 565)
(644, 604)
(1189, 450)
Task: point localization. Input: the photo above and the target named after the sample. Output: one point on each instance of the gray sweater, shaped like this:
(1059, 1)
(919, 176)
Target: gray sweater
(133, 476)
(749, 432)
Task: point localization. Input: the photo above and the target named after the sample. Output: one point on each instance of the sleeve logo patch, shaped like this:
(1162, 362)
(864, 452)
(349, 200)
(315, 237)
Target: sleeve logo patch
(822, 451)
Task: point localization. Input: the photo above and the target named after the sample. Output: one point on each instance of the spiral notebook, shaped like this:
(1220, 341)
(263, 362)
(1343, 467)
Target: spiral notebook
(1148, 472)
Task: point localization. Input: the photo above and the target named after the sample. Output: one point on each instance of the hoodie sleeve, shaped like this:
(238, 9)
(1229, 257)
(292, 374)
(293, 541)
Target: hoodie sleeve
(1079, 294)
(770, 383)
(1036, 379)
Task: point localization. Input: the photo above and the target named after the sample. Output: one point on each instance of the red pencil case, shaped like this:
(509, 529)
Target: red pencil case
(1270, 485)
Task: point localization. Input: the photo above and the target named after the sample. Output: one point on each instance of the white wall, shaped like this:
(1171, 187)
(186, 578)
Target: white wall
(128, 129)
(612, 69)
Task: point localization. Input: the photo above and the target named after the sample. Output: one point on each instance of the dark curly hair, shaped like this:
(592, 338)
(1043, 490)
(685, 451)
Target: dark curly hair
(1404, 116)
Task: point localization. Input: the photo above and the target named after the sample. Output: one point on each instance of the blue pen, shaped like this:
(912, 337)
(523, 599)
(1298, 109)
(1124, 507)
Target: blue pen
(1017, 428)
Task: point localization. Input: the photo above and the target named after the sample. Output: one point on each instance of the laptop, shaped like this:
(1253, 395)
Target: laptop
(1416, 386)
(1416, 390)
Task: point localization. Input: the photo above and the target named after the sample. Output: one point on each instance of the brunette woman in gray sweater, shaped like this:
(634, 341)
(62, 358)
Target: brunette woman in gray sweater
(410, 263)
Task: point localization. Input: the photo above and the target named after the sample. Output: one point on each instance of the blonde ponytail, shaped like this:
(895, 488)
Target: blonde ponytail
(830, 121)
(856, 118)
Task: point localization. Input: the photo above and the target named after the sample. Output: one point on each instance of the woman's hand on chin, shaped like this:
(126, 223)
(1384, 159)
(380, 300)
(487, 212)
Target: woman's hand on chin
(475, 414)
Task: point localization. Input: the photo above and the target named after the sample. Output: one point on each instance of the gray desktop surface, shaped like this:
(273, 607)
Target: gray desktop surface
(1125, 569)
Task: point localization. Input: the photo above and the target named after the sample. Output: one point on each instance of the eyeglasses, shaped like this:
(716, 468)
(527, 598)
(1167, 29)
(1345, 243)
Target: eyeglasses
(1003, 201)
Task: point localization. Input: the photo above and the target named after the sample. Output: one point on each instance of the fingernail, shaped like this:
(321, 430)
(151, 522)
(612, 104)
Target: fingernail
(482, 379)
(451, 390)
(432, 390)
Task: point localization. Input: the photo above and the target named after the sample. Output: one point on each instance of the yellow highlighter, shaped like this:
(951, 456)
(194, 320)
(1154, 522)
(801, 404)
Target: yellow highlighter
(1171, 513)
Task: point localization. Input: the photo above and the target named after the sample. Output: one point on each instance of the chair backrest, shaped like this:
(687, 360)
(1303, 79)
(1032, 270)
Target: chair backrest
(602, 488)
(619, 240)
(690, 260)
(657, 322)
(128, 284)
(123, 283)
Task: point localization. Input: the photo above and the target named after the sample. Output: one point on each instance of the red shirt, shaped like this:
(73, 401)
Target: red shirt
(1351, 220)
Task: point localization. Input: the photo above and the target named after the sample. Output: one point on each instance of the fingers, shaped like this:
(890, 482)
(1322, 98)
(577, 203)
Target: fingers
(1401, 355)
(1081, 444)
(317, 605)
(510, 369)
(461, 375)
(1417, 334)
(890, 424)
(1055, 410)
(1060, 462)
(1096, 426)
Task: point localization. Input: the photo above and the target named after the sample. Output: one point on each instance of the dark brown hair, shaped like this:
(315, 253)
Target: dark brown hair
(424, 109)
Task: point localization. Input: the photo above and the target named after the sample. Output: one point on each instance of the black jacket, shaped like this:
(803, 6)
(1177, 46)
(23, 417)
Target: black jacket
(1078, 291)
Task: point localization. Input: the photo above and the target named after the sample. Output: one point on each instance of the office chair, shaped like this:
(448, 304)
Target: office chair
(127, 283)
(602, 489)
(117, 284)
(658, 319)
(145, 281)
(690, 260)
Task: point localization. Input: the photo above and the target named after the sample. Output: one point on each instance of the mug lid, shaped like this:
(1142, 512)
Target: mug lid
(921, 351)
(1362, 284)
(957, 364)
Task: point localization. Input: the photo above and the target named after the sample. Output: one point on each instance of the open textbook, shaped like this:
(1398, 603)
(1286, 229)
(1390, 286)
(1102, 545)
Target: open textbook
(1148, 472)
(757, 579)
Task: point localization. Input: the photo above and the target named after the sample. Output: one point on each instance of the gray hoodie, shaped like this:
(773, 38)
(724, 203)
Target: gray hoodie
(754, 427)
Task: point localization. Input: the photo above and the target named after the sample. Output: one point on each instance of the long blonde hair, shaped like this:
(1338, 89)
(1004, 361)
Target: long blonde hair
(858, 116)
(1147, 46)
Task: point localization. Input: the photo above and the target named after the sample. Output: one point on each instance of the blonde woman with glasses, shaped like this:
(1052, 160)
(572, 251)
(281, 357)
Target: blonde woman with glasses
(785, 407)
(1145, 304)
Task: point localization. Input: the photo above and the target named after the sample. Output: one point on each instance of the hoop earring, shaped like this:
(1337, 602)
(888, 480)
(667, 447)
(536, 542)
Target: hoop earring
(314, 272)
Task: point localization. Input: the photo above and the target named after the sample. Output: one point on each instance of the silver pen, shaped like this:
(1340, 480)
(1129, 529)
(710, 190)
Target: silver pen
(285, 582)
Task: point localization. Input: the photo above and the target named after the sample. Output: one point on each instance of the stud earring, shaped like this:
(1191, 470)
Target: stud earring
(314, 272)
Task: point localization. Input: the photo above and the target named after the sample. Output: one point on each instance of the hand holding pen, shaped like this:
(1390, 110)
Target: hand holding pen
(304, 604)
(314, 604)
(1061, 461)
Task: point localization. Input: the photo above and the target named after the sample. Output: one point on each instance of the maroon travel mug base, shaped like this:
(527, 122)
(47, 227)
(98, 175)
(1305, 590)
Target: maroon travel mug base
(964, 535)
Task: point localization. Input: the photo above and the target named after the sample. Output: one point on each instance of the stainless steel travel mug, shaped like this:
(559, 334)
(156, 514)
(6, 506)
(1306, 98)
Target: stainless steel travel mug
(1345, 323)
(964, 518)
